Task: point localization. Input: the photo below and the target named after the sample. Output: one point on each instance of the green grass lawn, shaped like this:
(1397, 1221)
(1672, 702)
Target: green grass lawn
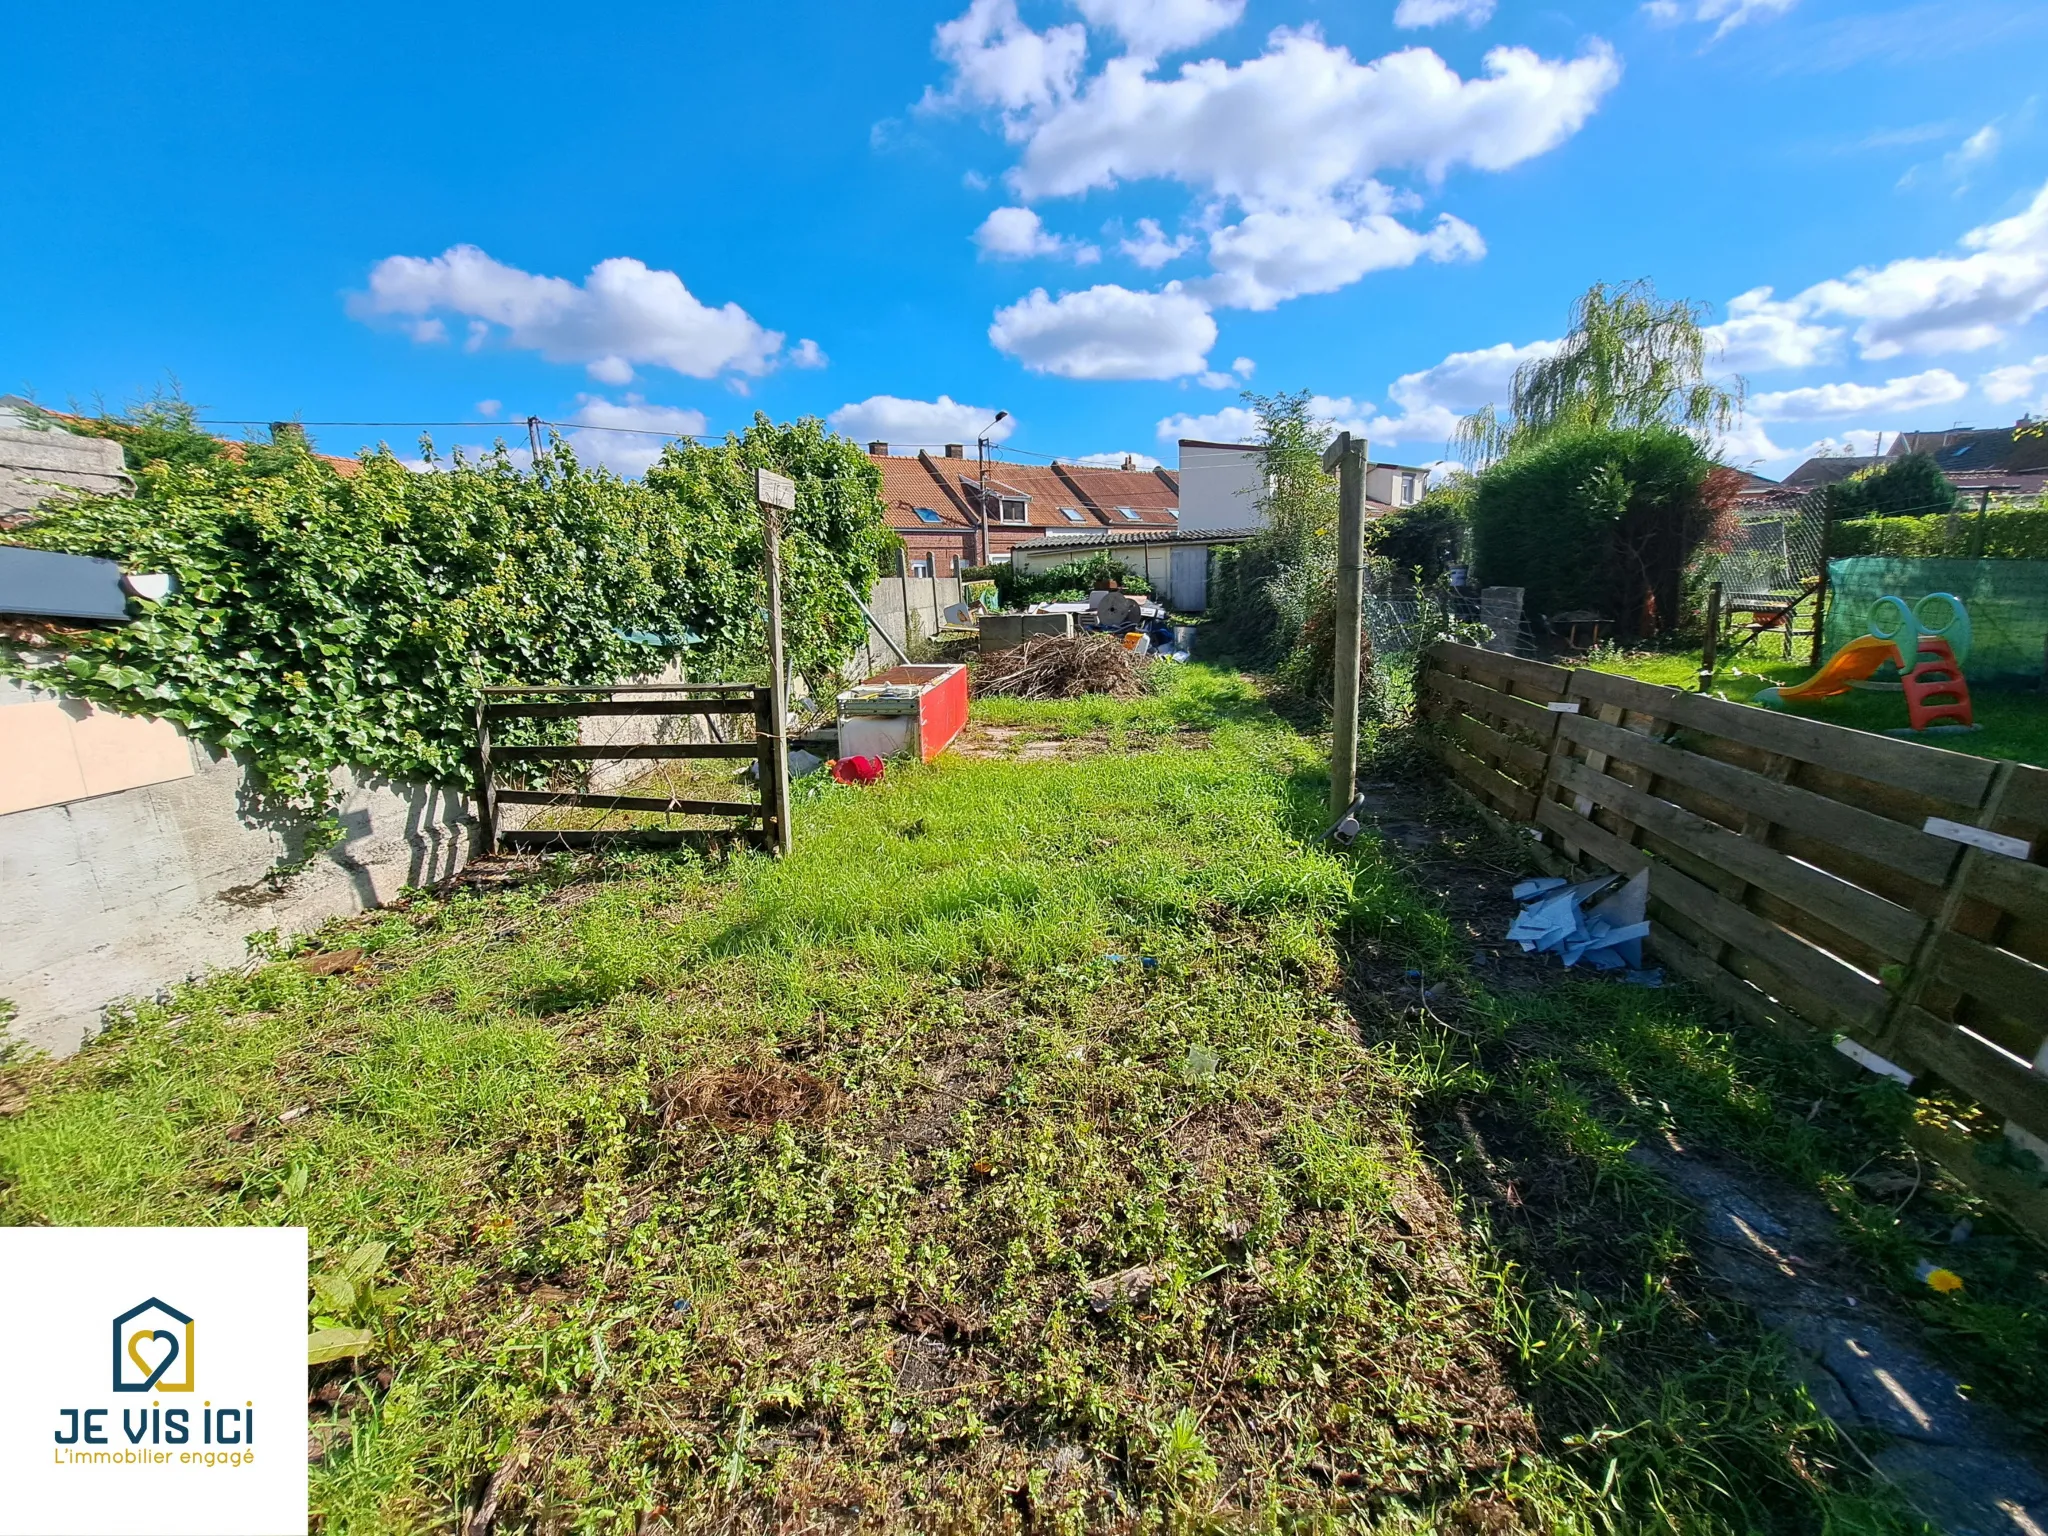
(2011, 723)
(1029, 1149)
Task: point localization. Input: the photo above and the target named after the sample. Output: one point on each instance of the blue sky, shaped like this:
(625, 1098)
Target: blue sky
(1103, 216)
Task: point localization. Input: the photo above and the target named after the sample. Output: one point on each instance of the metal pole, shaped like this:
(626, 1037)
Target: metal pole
(533, 441)
(875, 622)
(981, 500)
(1707, 646)
(1348, 454)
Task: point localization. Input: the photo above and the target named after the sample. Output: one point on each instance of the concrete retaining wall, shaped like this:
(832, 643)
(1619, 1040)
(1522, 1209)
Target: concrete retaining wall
(122, 895)
(910, 609)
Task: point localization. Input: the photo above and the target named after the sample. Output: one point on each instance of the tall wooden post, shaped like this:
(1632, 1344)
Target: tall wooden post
(1347, 456)
(486, 791)
(775, 494)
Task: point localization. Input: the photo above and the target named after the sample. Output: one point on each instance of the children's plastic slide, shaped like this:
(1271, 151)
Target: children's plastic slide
(1851, 664)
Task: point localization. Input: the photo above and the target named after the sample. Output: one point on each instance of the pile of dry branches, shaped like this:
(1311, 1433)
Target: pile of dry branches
(1060, 667)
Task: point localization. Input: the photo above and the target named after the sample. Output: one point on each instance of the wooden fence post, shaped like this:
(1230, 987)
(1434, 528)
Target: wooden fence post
(486, 792)
(775, 494)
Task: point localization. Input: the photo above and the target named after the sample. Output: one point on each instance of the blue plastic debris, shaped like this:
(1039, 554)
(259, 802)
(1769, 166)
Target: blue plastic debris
(1555, 920)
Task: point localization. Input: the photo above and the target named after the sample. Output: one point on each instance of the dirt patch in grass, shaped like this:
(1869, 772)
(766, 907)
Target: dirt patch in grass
(1024, 743)
(746, 1100)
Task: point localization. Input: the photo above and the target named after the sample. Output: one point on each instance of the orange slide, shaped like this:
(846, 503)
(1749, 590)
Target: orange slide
(1851, 664)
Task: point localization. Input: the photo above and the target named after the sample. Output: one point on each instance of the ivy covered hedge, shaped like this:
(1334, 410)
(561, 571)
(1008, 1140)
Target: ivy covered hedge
(322, 619)
(2001, 533)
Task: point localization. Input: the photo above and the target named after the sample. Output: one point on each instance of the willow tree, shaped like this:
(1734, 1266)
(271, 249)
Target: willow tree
(1599, 489)
(1630, 360)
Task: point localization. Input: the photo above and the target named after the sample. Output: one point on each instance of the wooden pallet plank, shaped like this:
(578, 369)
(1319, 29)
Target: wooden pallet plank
(516, 691)
(1891, 930)
(543, 840)
(2021, 889)
(1953, 778)
(728, 705)
(1989, 1076)
(1997, 979)
(1483, 739)
(1537, 675)
(1482, 699)
(1853, 997)
(579, 754)
(676, 807)
(1504, 792)
(1904, 848)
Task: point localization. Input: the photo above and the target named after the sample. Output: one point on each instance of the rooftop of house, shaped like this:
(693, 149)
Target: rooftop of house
(934, 491)
(1828, 469)
(2018, 449)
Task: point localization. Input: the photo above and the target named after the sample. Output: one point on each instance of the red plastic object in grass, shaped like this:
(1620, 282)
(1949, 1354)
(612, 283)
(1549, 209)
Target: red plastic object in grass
(858, 770)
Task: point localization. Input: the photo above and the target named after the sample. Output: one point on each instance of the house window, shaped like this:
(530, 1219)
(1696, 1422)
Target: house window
(927, 515)
(1071, 515)
(1011, 510)
(1407, 488)
(1130, 514)
(921, 565)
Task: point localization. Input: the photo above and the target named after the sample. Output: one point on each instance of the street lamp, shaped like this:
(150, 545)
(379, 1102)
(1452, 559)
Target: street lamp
(981, 491)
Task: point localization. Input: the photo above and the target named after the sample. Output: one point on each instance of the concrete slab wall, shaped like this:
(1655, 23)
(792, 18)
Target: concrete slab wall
(122, 895)
(910, 609)
(38, 463)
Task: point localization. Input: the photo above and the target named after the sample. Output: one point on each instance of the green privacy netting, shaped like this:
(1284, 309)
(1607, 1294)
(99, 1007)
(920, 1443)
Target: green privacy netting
(2007, 603)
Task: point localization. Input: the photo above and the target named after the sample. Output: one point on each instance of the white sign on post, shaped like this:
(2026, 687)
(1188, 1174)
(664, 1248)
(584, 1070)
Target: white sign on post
(773, 490)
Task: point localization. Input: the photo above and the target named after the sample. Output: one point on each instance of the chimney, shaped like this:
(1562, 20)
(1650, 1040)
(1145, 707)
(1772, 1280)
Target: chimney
(878, 450)
(282, 432)
(1130, 461)
(956, 451)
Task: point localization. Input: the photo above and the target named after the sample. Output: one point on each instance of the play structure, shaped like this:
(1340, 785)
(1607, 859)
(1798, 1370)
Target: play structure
(1936, 691)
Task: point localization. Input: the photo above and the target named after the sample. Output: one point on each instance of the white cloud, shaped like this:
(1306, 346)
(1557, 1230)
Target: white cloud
(1107, 332)
(1762, 333)
(614, 432)
(918, 423)
(2015, 381)
(1817, 402)
(624, 313)
(489, 407)
(1232, 424)
(1017, 234)
(1152, 27)
(1152, 250)
(1292, 127)
(1748, 445)
(1729, 13)
(1117, 460)
(1243, 367)
(1267, 257)
(808, 354)
(1978, 148)
(1214, 380)
(1430, 13)
(999, 62)
(1947, 303)
(428, 332)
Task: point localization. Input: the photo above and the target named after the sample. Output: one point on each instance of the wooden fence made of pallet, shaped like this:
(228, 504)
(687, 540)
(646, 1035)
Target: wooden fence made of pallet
(760, 816)
(1884, 891)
